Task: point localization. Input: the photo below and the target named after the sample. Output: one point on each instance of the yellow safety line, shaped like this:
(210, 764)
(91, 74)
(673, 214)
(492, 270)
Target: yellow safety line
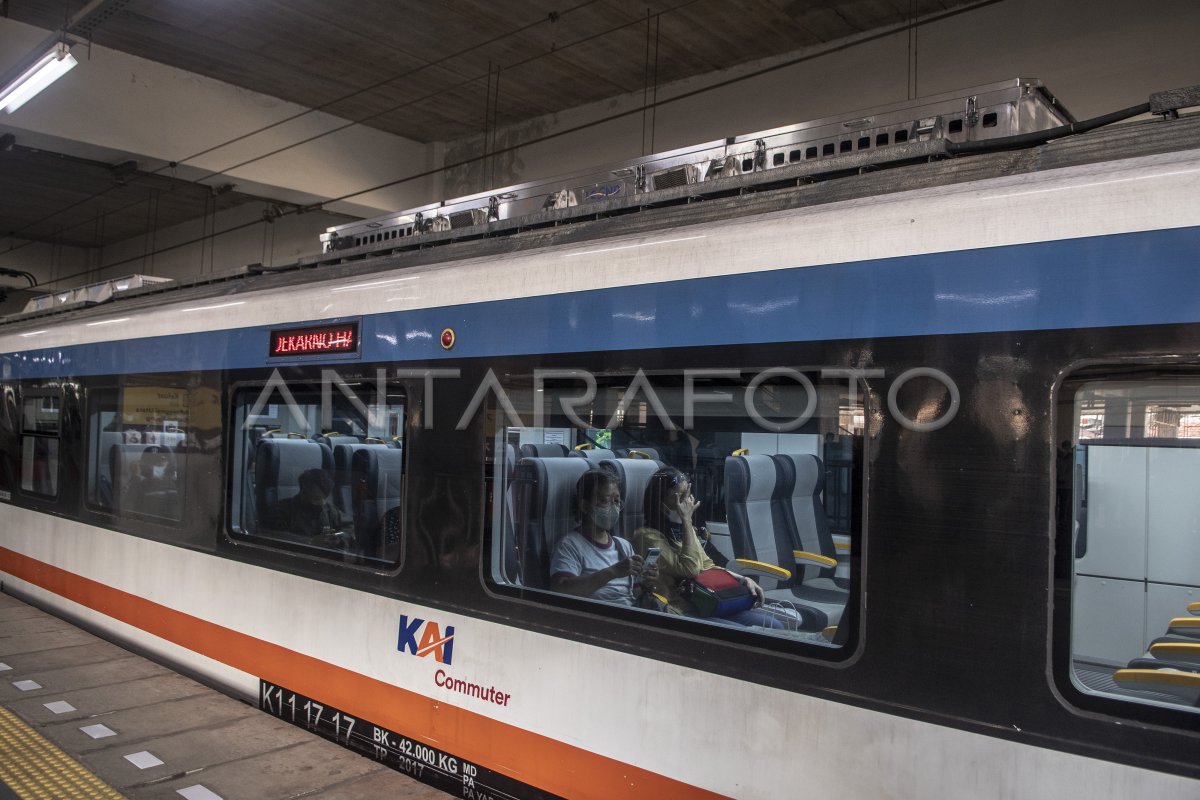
(36, 769)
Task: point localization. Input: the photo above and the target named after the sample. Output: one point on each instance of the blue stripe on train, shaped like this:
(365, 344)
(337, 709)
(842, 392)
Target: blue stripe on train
(1123, 279)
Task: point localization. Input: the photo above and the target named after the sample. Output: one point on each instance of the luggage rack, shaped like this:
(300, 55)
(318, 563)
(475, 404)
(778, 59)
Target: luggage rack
(845, 142)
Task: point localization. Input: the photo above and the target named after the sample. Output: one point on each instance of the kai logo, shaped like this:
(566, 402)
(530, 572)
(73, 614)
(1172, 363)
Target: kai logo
(431, 639)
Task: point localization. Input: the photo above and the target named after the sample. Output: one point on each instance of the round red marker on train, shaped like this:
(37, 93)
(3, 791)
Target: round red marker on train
(448, 338)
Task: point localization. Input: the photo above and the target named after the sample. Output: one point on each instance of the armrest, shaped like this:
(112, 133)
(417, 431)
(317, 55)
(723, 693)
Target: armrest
(1185, 626)
(763, 568)
(1194, 608)
(1180, 684)
(841, 543)
(814, 558)
(1176, 651)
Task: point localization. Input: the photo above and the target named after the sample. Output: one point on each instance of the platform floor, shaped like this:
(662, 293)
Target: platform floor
(82, 717)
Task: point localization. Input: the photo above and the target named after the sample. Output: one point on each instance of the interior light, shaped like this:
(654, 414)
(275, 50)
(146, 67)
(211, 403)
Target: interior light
(46, 71)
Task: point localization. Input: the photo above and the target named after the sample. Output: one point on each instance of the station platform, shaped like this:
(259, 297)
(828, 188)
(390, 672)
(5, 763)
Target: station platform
(81, 717)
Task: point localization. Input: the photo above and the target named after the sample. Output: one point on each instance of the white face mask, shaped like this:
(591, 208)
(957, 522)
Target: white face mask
(606, 518)
(673, 516)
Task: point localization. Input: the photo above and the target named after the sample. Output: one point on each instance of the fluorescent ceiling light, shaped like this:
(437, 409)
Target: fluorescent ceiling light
(46, 71)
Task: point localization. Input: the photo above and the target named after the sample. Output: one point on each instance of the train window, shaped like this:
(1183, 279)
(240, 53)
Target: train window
(1128, 511)
(756, 473)
(318, 467)
(39, 444)
(138, 447)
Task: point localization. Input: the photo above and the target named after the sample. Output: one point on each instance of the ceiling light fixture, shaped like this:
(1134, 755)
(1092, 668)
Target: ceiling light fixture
(45, 71)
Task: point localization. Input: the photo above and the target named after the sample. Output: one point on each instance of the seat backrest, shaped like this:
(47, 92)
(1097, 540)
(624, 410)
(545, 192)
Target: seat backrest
(382, 471)
(344, 477)
(803, 480)
(756, 528)
(595, 454)
(278, 464)
(633, 475)
(332, 440)
(544, 510)
(544, 450)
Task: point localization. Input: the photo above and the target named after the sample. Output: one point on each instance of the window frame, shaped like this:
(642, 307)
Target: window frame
(844, 653)
(238, 450)
(116, 387)
(1063, 495)
(21, 434)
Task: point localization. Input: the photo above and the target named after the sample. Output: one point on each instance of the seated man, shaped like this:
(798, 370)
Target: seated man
(590, 560)
(153, 488)
(309, 513)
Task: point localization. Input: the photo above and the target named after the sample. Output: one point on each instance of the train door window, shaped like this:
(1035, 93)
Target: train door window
(737, 472)
(40, 426)
(137, 447)
(319, 467)
(1128, 515)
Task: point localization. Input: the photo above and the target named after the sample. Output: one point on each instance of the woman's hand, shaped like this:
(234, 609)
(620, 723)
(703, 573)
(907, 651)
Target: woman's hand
(650, 578)
(749, 583)
(756, 589)
(687, 507)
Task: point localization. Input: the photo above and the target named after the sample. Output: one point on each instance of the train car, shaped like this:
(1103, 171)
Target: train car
(936, 407)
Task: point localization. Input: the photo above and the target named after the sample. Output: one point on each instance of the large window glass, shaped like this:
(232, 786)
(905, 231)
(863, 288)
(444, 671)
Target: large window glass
(1129, 513)
(319, 466)
(139, 438)
(651, 492)
(39, 443)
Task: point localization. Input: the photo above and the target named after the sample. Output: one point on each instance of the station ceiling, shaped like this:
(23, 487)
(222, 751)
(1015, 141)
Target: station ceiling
(430, 72)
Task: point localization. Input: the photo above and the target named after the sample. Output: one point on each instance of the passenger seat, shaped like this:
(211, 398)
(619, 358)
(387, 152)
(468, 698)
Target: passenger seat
(633, 475)
(278, 464)
(763, 541)
(381, 469)
(544, 451)
(543, 495)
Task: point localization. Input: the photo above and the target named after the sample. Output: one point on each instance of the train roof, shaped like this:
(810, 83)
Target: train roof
(856, 175)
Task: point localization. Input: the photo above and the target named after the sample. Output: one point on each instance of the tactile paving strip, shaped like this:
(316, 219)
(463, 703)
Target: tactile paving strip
(35, 769)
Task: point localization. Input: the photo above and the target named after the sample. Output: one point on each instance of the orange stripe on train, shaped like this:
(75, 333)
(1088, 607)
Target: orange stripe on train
(523, 755)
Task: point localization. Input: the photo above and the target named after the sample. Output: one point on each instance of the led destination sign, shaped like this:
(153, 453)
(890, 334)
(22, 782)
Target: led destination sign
(318, 340)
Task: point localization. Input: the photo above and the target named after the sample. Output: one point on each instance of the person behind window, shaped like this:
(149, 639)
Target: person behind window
(309, 513)
(592, 561)
(153, 487)
(669, 509)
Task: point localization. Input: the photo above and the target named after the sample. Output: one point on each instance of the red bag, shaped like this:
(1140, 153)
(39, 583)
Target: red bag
(717, 593)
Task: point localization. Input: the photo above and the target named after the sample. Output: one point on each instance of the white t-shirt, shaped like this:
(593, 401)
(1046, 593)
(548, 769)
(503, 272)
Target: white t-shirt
(577, 555)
